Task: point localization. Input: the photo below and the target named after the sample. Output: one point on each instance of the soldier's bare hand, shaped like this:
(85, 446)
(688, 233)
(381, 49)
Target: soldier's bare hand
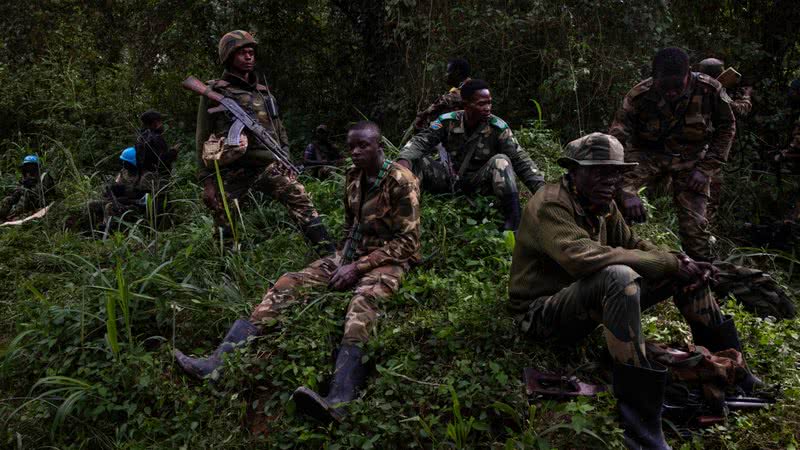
(697, 181)
(344, 277)
(633, 209)
(693, 274)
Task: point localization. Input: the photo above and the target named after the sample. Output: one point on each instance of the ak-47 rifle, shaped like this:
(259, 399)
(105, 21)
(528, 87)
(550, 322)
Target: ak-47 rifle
(242, 120)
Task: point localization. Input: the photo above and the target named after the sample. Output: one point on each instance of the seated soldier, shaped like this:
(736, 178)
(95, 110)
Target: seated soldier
(483, 153)
(128, 193)
(577, 265)
(382, 227)
(321, 157)
(34, 191)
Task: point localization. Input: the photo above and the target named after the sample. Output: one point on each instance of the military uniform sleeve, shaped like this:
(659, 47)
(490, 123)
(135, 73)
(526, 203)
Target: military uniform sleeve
(202, 133)
(623, 126)
(724, 131)
(404, 244)
(573, 249)
(424, 142)
(7, 204)
(523, 165)
(621, 235)
(741, 104)
(444, 104)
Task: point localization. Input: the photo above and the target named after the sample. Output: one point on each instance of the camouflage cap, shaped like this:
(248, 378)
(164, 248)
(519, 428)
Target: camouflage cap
(596, 149)
(233, 41)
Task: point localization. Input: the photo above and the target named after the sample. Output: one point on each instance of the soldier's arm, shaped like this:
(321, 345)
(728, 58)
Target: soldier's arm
(434, 110)
(404, 243)
(621, 235)
(201, 136)
(523, 165)
(742, 104)
(425, 142)
(722, 139)
(573, 249)
(7, 204)
(623, 125)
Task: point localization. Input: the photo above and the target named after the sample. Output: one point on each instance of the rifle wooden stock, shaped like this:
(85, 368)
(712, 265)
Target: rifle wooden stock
(193, 84)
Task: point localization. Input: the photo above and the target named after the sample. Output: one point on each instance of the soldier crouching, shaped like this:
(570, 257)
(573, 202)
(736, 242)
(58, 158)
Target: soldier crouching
(382, 226)
(577, 265)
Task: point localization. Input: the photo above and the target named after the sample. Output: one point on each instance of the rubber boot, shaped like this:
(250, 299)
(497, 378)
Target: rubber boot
(722, 337)
(511, 211)
(203, 367)
(317, 235)
(640, 395)
(348, 377)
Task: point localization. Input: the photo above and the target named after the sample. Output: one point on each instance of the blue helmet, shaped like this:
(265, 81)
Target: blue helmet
(30, 159)
(129, 155)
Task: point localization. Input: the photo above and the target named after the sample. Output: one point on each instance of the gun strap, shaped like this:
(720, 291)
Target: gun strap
(356, 235)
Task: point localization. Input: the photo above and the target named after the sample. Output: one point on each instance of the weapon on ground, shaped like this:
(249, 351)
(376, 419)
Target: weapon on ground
(243, 120)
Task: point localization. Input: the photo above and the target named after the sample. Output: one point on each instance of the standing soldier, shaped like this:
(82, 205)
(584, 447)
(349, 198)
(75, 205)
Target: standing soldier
(483, 155)
(254, 166)
(679, 124)
(34, 191)
(152, 152)
(321, 157)
(382, 227)
(457, 74)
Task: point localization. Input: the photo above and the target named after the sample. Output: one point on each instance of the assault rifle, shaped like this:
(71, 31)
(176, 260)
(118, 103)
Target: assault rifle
(242, 120)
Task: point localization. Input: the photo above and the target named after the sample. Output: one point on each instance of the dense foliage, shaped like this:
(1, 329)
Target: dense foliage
(87, 327)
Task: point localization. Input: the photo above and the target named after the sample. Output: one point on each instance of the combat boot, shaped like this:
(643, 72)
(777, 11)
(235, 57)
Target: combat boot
(317, 235)
(640, 395)
(348, 377)
(722, 337)
(203, 367)
(511, 211)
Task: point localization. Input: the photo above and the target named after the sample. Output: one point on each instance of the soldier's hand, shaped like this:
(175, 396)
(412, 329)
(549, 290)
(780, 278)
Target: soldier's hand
(693, 274)
(344, 277)
(404, 163)
(697, 181)
(210, 197)
(633, 209)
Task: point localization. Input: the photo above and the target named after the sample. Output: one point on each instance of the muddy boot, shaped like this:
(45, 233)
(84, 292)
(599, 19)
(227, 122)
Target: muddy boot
(349, 375)
(640, 395)
(317, 235)
(509, 204)
(722, 337)
(203, 367)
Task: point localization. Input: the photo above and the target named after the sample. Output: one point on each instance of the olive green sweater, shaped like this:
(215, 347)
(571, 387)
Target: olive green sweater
(558, 243)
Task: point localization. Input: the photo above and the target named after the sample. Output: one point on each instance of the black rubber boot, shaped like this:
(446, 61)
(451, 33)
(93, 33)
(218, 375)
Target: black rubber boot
(640, 395)
(317, 235)
(511, 211)
(348, 377)
(722, 337)
(203, 367)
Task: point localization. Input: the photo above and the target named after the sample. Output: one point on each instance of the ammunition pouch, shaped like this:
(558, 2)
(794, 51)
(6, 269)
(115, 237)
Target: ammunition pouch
(215, 149)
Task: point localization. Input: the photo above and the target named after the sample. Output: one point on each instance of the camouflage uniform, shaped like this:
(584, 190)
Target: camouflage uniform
(126, 194)
(449, 102)
(387, 221)
(696, 134)
(484, 161)
(27, 199)
(320, 151)
(257, 168)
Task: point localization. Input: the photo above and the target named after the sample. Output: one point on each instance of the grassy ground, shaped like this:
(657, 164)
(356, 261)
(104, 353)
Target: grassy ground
(87, 330)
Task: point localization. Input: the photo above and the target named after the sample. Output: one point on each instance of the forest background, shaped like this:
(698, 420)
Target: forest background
(87, 327)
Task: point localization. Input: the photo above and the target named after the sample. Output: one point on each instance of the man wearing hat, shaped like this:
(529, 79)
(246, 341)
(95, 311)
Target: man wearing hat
(33, 192)
(577, 265)
(254, 167)
(152, 152)
(321, 157)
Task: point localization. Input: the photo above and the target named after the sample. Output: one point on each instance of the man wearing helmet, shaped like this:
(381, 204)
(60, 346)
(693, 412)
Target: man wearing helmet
(127, 193)
(32, 193)
(256, 167)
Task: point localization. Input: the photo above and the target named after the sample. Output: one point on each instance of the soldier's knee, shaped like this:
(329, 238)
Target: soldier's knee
(620, 275)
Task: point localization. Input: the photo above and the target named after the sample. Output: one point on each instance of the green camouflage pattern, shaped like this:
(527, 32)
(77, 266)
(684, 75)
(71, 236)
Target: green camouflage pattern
(447, 102)
(27, 199)
(233, 41)
(124, 195)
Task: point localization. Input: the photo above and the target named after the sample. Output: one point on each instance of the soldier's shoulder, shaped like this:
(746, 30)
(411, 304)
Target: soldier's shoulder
(401, 175)
(498, 123)
(449, 116)
(641, 88)
(708, 83)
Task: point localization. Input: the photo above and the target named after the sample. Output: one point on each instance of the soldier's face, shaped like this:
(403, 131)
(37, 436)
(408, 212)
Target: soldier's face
(244, 60)
(598, 184)
(30, 171)
(365, 148)
(480, 106)
(671, 87)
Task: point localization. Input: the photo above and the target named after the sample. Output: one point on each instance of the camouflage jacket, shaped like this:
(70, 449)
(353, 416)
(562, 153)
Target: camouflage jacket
(559, 242)
(252, 97)
(486, 141)
(386, 216)
(449, 102)
(701, 127)
(741, 104)
(128, 188)
(25, 199)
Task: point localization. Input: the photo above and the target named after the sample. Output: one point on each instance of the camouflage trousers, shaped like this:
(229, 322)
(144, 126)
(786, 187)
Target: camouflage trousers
(496, 177)
(613, 297)
(691, 206)
(362, 311)
(272, 180)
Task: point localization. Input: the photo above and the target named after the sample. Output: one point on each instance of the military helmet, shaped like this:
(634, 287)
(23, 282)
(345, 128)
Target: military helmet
(711, 66)
(128, 155)
(234, 41)
(30, 159)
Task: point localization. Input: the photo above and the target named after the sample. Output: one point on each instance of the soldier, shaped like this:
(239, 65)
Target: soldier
(128, 193)
(577, 264)
(152, 152)
(675, 124)
(321, 157)
(457, 74)
(255, 167)
(34, 191)
(483, 154)
(382, 227)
